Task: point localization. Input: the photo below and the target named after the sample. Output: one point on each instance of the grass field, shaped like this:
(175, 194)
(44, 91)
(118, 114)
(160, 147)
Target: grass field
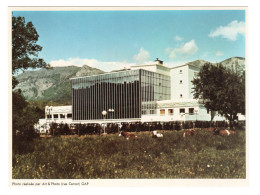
(202, 156)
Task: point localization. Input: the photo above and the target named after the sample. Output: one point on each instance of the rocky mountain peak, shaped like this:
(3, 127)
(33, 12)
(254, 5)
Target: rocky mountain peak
(86, 70)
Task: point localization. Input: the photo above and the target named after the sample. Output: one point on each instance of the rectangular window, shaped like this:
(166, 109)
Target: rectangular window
(180, 81)
(170, 112)
(62, 115)
(55, 115)
(152, 112)
(69, 115)
(143, 111)
(49, 116)
(162, 112)
(182, 110)
(191, 110)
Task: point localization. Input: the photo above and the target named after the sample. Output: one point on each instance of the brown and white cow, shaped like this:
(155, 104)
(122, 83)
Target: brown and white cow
(156, 135)
(189, 132)
(127, 135)
(224, 132)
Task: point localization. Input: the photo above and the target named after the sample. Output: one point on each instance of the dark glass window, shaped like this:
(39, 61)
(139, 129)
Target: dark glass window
(191, 110)
(182, 110)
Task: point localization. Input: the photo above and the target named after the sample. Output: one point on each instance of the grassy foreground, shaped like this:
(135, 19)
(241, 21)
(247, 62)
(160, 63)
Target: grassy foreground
(202, 156)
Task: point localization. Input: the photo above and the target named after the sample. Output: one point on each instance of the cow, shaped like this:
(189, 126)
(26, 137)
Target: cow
(224, 132)
(189, 132)
(156, 135)
(127, 135)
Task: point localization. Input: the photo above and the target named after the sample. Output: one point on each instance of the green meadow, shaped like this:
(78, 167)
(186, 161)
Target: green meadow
(109, 156)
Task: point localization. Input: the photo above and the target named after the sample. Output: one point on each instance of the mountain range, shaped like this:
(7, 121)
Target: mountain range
(54, 84)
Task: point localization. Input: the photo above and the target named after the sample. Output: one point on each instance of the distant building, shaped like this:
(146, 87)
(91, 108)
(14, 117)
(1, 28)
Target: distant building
(57, 114)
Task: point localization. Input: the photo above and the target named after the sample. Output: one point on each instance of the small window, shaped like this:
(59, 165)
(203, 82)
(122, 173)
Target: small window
(144, 112)
(62, 115)
(191, 110)
(180, 81)
(151, 111)
(170, 112)
(180, 71)
(48, 116)
(180, 95)
(69, 115)
(55, 115)
(182, 110)
(162, 112)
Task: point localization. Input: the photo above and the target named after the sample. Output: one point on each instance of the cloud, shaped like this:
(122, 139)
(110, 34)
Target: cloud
(105, 66)
(230, 31)
(142, 56)
(219, 53)
(178, 38)
(185, 50)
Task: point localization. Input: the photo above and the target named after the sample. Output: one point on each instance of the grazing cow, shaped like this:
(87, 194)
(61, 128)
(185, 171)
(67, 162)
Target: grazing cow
(127, 135)
(189, 132)
(156, 135)
(224, 132)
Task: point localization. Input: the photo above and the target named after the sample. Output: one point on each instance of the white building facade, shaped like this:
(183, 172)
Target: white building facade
(182, 106)
(55, 114)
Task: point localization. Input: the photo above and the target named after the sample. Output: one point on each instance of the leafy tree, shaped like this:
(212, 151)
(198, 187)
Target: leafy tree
(24, 117)
(220, 89)
(24, 48)
(24, 55)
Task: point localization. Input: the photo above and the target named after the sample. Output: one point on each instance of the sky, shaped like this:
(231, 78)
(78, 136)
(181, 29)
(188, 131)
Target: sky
(111, 40)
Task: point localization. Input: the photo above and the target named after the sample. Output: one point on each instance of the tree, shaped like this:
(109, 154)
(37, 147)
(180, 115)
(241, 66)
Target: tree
(24, 55)
(24, 48)
(220, 89)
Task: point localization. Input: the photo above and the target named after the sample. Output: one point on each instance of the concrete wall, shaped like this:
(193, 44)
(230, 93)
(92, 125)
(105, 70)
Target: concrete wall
(179, 74)
(191, 75)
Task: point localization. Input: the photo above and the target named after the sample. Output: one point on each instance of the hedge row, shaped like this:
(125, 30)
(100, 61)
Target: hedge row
(90, 129)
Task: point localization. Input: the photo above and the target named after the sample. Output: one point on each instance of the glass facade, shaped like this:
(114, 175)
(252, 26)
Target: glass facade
(154, 87)
(127, 92)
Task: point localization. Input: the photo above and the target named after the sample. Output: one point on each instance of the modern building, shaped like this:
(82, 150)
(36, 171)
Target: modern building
(128, 93)
(145, 93)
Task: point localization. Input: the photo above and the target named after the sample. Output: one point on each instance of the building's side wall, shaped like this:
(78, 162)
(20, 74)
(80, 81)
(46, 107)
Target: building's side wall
(191, 75)
(179, 83)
